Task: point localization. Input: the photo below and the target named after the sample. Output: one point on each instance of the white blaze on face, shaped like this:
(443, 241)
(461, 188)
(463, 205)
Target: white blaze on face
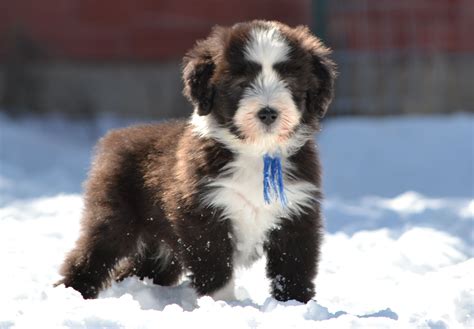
(267, 47)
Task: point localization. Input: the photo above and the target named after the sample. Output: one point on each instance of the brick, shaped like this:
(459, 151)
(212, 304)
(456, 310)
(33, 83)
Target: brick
(165, 43)
(106, 13)
(154, 29)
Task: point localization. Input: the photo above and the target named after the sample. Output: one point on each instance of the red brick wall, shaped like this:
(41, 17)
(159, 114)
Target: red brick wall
(165, 29)
(421, 25)
(133, 29)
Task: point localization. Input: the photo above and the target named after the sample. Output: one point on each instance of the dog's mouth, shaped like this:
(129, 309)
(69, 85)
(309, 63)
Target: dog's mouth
(266, 125)
(269, 129)
(259, 133)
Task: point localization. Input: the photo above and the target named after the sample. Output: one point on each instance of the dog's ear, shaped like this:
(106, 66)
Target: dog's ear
(321, 90)
(198, 69)
(321, 87)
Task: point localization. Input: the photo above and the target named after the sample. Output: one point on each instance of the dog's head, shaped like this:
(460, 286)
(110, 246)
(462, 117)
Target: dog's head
(259, 85)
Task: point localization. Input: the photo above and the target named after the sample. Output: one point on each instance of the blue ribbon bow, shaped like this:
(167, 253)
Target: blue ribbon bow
(273, 180)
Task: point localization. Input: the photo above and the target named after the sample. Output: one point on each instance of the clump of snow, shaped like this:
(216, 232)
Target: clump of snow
(398, 250)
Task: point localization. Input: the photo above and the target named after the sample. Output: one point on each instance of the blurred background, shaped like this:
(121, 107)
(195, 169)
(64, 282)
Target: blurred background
(83, 58)
(397, 152)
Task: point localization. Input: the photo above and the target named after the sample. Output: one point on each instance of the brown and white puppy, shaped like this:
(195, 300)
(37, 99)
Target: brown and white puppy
(186, 197)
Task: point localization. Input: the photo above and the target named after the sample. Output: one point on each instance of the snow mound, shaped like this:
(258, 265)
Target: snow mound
(398, 252)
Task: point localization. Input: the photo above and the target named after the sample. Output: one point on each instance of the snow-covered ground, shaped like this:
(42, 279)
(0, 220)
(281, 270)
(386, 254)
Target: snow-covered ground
(398, 252)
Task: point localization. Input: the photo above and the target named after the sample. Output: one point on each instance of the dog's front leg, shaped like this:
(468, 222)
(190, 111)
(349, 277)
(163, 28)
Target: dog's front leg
(292, 256)
(207, 251)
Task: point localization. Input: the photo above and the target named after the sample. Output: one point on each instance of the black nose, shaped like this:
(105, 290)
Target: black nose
(267, 115)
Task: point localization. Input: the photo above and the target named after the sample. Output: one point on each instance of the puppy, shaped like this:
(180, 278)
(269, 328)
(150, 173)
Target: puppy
(187, 197)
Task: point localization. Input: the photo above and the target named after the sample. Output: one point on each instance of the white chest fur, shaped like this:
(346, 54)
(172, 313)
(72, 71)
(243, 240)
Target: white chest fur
(239, 191)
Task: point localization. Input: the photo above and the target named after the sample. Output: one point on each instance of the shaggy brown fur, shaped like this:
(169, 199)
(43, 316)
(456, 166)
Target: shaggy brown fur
(144, 213)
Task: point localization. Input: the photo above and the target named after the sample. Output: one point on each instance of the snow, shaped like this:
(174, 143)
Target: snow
(398, 251)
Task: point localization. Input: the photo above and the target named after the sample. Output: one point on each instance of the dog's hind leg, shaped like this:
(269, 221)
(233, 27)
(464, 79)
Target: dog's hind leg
(160, 265)
(102, 244)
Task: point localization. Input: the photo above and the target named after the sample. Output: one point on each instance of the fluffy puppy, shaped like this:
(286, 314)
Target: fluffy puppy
(186, 197)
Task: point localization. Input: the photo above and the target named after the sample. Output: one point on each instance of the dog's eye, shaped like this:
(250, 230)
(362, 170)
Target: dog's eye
(242, 85)
(281, 66)
(288, 68)
(254, 67)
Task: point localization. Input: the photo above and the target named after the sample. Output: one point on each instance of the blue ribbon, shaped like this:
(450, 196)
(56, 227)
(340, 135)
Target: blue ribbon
(273, 187)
